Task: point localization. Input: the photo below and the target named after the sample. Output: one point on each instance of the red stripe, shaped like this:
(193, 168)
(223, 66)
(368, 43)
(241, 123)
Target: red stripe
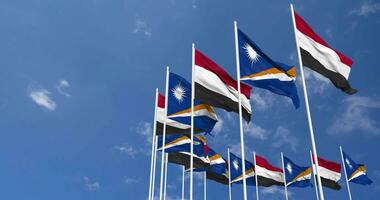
(330, 165)
(304, 28)
(206, 63)
(260, 161)
(161, 101)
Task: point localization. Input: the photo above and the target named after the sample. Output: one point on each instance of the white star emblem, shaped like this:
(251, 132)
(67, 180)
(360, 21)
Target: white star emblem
(289, 168)
(236, 164)
(348, 163)
(179, 92)
(253, 56)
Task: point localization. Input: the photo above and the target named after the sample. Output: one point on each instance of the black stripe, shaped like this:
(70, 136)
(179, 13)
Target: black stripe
(329, 183)
(220, 101)
(217, 177)
(337, 79)
(170, 130)
(267, 182)
(184, 159)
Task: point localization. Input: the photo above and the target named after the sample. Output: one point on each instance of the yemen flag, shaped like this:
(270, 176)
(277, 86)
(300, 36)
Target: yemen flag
(213, 86)
(268, 175)
(320, 57)
(329, 172)
(172, 127)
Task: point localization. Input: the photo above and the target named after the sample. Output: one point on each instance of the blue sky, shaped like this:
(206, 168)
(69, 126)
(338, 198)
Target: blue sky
(77, 88)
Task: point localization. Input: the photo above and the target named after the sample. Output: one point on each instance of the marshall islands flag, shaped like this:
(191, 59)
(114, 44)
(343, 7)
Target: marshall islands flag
(179, 105)
(236, 167)
(296, 176)
(356, 173)
(258, 70)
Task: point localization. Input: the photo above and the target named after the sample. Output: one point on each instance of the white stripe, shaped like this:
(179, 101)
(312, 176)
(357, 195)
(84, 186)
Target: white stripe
(279, 76)
(328, 174)
(217, 161)
(212, 82)
(181, 142)
(197, 113)
(326, 56)
(357, 175)
(302, 178)
(277, 176)
(169, 122)
(249, 175)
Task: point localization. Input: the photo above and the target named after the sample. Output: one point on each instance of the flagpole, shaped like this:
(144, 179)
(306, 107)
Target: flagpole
(166, 174)
(183, 182)
(345, 173)
(164, 132)
(284, 174)
(256, 180)
(315, 181)
(192, 121)
(154, 166)
(204, 185)
(240, 111)
(307, 108)
(153, 143)
(229, 175)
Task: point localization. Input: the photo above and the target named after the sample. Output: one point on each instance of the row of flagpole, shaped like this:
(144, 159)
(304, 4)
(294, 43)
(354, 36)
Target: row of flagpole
(162, 192)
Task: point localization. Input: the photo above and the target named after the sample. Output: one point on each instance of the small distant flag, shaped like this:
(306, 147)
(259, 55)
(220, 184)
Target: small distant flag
(217, 171)
(268, 175)
(179, 105)
(329, 172)
(175, 143)
(356, 173)
(258, 70)
(172, 127)
(236, 168)
(320, 57)
(215, 87)
(296, 176)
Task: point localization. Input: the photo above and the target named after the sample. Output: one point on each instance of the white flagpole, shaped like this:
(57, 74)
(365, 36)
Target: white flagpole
(204, 186)
(345, 173)
(256, 180)
(192, 121)
(314, 147)
(284, 174)
(183, 182)
(315, 181)
(229, 175)
(240, 111)
(166, 174)
(154, 166)
(164, 133)
(153, 143)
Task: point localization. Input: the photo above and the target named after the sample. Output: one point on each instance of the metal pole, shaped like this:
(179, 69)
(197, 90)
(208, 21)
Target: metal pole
(240, 111)
(154, 166)
(345, 173)
(315, 181)
(166, 174)
(284, 173)
(192, 122)
(164, 132)
(204, 186)
(153, 143)
(229, 175)
(314, 147)
(256, 180)
(183, 182)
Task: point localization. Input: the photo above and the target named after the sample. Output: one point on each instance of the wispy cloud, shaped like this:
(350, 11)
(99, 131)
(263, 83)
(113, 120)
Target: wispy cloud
(284, 138)
(91, 185)
(355, 115)
(366, 8)
(329, 33)
(42, 98)
(145, 129)
(194, 4)
(256, 131)
(127, 149)
(62, 85)
(315, 82)
(142, 28)
(130, 180)
(278, 191)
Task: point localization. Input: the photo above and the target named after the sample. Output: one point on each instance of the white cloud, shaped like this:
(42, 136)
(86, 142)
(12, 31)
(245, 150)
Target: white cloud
(315, 82)
(366, 8)
(194, 4)
(279, 191)
(218, 126)
(127, 149)
(329, 33)
(41, 97)
(356, 116)
(145, 129)
(142, 28)
(129, 180)
(256, 131)
(284, 138)
(62, 84)
(91, 185)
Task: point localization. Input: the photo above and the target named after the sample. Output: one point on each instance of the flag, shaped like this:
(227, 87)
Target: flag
(172, 127)
(217, 171)
(268, 175)
(329, 172)
(179, 105)
(237, 170)
(215, 87)
(320, 57)
(174, 143)
(258, 70)
(296, 176)
(356, 173)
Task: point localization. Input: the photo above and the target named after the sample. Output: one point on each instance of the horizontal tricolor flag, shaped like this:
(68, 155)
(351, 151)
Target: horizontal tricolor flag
(356, 173)
(329, 172)
(179, 105)
(268, 175)
(296, 176)
(319, 56)
(172, 127)
(213, 86)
